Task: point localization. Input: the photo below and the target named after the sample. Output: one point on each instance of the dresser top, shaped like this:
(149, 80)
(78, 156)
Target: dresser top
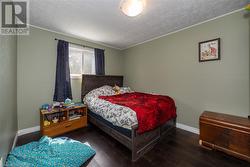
(225, 119)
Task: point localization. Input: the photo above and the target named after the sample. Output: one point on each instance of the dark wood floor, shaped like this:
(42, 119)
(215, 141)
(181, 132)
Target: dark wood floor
(180, 149)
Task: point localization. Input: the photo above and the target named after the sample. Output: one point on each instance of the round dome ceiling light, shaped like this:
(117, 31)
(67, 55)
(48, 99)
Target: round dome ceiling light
(132, 8)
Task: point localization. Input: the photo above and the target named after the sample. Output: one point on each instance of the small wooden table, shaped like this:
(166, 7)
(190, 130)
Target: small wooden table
(68, 119)
(227, 133)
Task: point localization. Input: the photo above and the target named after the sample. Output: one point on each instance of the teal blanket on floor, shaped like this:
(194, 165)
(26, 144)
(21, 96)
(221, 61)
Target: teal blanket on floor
(48, 152)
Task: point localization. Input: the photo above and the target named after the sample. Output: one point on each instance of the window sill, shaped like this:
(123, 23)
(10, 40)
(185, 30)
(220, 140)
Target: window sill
(76, 77)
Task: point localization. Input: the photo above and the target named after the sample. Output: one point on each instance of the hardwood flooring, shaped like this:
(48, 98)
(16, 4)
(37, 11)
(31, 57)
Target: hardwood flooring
(180, 149)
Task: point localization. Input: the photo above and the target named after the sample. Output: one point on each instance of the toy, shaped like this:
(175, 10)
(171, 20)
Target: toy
(46, 123)
(116, 89)
(45, 106)
(56, 104)
(67, 101)
(55, 120)
(50, 108)
(61, 105)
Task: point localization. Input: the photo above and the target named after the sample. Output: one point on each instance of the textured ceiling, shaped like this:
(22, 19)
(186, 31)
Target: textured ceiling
(103, 22)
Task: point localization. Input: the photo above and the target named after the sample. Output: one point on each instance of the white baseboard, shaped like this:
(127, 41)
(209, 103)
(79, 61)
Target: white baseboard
(188, 128)
(37, 128)
(14, 141)
(28, 130)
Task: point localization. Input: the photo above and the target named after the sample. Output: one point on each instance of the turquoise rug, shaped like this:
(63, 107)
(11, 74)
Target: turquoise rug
(48, 152)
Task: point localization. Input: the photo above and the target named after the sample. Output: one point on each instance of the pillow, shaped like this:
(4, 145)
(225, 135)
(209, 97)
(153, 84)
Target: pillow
(102, 91)
(121, 90)
(125, 90)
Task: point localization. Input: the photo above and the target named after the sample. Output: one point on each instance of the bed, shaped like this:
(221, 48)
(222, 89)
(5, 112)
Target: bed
(138, 143)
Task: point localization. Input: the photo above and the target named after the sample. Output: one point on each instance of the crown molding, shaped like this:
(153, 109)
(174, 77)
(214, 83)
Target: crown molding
(185, 28)
(74, 36)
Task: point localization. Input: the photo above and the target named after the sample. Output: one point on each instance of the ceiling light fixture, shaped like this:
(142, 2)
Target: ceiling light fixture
(132, 8)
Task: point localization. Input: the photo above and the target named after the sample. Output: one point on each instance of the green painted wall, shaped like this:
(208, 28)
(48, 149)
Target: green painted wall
(36, 72)
(8, 94)
(169, 65)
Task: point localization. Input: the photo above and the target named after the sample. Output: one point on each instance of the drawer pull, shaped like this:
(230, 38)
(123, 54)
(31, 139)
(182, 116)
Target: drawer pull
(67, 126)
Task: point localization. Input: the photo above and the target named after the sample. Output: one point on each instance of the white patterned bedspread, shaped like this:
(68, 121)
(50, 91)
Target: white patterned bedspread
(118, 115)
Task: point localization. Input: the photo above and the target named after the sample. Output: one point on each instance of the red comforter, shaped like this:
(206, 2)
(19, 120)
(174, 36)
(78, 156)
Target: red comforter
(151, 110)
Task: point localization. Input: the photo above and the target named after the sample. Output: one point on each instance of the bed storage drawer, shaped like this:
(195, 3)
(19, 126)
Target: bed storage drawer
(226, 133)
(143, 139)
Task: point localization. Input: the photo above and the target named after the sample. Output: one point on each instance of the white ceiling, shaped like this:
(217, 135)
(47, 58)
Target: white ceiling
(103, 22)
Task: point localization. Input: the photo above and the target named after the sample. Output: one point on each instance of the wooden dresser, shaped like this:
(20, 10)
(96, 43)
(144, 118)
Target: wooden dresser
(66, 121)
(227, 133)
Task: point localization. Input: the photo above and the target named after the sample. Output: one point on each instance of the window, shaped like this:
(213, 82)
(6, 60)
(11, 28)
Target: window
(81, 61)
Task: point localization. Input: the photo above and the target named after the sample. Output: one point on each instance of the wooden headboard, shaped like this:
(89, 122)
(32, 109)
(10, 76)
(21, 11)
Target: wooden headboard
(90, 82)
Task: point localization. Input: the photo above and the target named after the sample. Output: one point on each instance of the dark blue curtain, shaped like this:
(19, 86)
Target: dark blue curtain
(99, 62)
(62, 85)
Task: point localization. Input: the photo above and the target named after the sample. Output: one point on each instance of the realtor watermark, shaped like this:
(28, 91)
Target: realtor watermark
(14, 17)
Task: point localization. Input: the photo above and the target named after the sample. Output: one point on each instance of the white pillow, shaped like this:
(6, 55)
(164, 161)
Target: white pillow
(102, 91)
(125, 90)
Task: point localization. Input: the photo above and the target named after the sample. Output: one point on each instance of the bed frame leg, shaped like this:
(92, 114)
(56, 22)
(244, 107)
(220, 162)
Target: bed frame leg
(134, 156)
(134, 151)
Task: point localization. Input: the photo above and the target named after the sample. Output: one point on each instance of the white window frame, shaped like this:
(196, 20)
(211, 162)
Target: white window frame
(82, 49)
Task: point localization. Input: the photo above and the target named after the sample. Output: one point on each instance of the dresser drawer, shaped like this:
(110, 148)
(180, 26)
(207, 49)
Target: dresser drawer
(65, 127)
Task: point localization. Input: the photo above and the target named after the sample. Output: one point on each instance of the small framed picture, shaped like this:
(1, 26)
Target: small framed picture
(209, 50)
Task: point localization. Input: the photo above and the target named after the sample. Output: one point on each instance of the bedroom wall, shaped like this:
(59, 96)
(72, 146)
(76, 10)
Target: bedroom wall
(169, 66)
(8, 100)
(36, 72)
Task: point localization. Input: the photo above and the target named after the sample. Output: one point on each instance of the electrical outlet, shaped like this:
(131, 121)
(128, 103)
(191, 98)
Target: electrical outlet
(1, 162)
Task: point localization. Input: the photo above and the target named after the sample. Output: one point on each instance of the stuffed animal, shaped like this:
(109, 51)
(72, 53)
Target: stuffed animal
(117, 90)
(46, 123)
